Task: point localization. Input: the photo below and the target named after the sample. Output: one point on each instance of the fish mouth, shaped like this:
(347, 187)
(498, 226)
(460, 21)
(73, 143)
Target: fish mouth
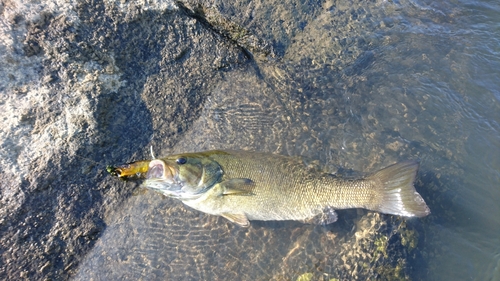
(163, 178)
(158, 169)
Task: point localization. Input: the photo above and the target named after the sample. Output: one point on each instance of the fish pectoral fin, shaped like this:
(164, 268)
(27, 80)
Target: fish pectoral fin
(237, 187)
(326, 216)
(239, 219)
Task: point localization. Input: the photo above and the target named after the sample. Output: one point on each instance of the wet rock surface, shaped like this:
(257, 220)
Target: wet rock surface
(73, 89)
(91, 83)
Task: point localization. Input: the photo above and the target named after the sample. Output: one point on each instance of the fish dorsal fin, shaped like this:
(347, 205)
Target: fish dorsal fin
(238, 186)
(239, 219)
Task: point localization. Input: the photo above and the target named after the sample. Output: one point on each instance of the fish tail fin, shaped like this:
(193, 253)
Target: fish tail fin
(398, 195)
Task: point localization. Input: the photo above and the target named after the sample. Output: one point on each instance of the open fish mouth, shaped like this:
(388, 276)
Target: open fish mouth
(159, 170)
(162, 177)
(156, 169)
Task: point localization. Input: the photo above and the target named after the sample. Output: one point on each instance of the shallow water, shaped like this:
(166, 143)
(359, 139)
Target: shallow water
(360, 86)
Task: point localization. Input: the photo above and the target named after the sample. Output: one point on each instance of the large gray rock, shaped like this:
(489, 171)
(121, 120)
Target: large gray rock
(72, 86)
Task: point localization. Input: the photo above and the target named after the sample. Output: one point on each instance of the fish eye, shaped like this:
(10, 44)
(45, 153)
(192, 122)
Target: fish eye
(181, 161)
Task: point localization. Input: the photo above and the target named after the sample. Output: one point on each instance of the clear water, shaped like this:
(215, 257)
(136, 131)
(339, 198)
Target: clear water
(361, 86)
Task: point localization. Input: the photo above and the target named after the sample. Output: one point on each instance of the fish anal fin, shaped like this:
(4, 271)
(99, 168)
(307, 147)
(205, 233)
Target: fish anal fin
(239, 219)
(326, 216)
(239, 186)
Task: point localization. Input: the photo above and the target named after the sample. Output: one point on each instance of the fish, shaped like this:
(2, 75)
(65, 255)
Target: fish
(244, 186)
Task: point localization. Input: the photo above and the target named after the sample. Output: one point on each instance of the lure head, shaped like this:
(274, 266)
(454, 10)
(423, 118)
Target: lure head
(134, 170)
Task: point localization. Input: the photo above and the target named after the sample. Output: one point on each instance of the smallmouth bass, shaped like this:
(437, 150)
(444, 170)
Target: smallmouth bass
(243, 186)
